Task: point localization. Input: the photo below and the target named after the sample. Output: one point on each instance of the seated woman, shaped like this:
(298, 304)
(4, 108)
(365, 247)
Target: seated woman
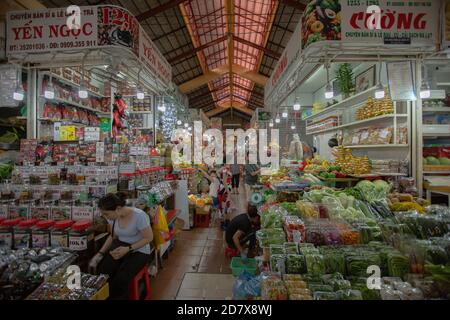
(127, 249)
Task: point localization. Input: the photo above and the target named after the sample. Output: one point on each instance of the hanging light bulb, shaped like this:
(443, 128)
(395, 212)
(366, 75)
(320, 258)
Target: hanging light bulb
(284, 114)
(186, 124)
(82, 91)
(277, 118)
(425, 92)
(140, 93)
(162, 108)
(190, 128)
(329, 88)
(297, 105)
(179, 122)
(379, 91)
(49, 92)
(329, 91)
(19, 93)
(271, 123)
(293, 126)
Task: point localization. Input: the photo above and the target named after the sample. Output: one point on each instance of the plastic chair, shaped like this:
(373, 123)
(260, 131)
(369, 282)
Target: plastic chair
(133, 288)
(231, 252)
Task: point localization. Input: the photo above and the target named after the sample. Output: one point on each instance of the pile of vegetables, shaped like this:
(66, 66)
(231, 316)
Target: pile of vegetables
(406, 202)
(5, 171)
(374, 191)
(10, 137)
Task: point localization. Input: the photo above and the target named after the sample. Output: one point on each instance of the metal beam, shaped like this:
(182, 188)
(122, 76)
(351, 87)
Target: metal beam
(229, 9)
(219, 71)
(256, 46)
(294, 4)
(154, 11)
(193, 52)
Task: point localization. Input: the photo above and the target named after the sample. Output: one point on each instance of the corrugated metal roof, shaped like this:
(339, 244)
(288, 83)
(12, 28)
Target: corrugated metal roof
(261, 30)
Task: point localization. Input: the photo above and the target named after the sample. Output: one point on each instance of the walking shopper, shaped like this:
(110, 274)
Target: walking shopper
(235, 177)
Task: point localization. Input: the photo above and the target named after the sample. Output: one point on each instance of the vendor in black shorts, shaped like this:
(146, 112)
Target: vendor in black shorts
(240, 233)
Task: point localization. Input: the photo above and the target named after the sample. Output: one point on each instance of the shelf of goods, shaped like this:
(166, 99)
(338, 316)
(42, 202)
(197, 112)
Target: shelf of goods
(66, 107)
(434, 156)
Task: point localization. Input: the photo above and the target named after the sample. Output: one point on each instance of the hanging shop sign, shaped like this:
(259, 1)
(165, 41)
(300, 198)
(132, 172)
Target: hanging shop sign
(153, 59)
(51, 30)
(413, 22)
(290, 54)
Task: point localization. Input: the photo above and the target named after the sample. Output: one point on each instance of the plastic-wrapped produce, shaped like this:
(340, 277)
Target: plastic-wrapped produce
(349, 295)
(266, 237)
(276, 249)
(295, 229)
(295, 285)
(308, 209)
(278, 292)
(315, 263)
(334, 262)
(278, 263)
(340, 284)
(291, 248)
(292, 277)
(398, 264)
(295, 263)
(273, 217)
(320, 295)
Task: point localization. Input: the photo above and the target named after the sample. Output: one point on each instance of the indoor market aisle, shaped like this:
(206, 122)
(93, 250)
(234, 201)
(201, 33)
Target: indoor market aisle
(197, 267)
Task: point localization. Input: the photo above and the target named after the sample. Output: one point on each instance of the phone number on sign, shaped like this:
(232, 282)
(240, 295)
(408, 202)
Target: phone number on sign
(53, 45)
(72, 44)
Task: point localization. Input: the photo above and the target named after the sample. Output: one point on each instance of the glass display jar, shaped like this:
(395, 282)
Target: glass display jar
(81, 240)
(59, 234)
(22, 233)
(40, 234)
(7, 232)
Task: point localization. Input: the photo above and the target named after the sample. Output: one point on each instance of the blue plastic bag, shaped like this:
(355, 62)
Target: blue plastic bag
(247, 287)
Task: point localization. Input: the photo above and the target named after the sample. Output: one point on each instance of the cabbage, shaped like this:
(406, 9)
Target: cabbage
(382, 186)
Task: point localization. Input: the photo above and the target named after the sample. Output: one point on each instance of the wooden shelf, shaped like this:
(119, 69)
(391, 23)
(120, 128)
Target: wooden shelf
(340, 104)
(374, 146)
(359, 122)
(78, 106)
(71, 83)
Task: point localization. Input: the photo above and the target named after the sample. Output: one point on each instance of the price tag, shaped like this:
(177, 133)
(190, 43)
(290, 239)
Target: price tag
(364, 135)
(297, 236)
(67, 133)
(100, 152)
(92, 134)
(82, 213)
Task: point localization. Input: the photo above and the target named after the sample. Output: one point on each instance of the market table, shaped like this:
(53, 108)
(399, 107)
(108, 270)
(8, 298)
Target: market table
(332, 181)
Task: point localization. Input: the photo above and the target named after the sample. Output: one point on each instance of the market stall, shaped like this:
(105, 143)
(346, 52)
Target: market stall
(319, 238)
(96, 95)
(364, 87)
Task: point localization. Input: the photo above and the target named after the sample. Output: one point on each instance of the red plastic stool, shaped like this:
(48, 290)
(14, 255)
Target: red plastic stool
(231, 252)
(133, 287)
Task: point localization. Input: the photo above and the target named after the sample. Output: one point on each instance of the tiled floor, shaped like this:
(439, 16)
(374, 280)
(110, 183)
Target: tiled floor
(196, 267)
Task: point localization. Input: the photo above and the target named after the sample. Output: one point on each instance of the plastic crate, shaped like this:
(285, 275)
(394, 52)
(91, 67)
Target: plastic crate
(237, 266)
